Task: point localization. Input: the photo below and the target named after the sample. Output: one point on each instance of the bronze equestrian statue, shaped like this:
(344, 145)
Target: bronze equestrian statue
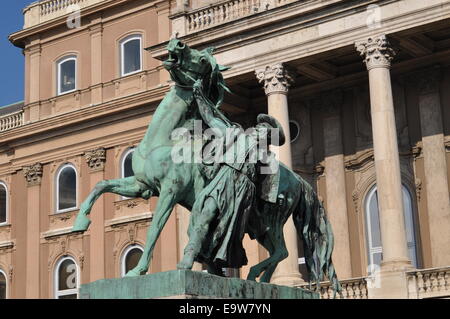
(226, 200)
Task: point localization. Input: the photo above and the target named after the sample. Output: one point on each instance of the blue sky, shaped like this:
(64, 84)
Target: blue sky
(12, 60)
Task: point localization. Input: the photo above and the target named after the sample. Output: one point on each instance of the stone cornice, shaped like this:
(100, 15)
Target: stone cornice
(377, 52)
(249, 31)
(18, 38)
(85, 114)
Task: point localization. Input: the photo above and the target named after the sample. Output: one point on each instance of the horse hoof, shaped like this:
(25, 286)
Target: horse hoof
(81, 224)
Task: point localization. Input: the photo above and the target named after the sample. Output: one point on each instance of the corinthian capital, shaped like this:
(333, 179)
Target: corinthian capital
(376, 51)
(96, 159)
(275, 78)
(33, 174)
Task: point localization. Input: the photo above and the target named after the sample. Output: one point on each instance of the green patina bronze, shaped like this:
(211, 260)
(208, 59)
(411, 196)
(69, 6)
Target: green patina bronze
(226, 200)
(190, 285)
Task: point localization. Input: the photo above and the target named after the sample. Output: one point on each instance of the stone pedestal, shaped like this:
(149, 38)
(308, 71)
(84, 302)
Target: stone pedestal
(185, 284)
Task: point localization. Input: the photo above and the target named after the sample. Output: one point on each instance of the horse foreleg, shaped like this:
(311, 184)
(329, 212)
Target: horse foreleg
(128, 187)
(167, 201)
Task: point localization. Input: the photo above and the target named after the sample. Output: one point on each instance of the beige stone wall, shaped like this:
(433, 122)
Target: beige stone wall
(334, 151)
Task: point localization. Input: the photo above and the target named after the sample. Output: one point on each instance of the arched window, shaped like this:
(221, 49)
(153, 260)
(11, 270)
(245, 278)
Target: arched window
(66, 188)
(3, 285)
(126, 166)
(130, 258)
(373, 233)
(66, 279)
(67, 74)
(131, 55)
(3, 204)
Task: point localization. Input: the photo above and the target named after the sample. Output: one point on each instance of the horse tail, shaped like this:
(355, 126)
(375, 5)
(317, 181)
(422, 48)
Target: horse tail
(318, 241)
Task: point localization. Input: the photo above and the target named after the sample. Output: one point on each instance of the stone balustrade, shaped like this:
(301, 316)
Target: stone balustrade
(429, 283)
(43, 11)
(11, 121)
(355, 288)
(226, 11)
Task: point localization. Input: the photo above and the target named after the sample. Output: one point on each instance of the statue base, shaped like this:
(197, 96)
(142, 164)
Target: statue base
(186, 284)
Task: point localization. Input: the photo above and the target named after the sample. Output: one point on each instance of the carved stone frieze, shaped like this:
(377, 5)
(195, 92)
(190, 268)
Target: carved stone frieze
(96, 159)
(33, 174)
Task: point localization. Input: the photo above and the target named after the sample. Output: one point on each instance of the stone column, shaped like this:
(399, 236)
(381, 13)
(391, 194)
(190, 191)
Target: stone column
(335, 181)
(96, 161)
(437, 188)
(33, 176)
(96, 32)
(276, 81)
(378, 54)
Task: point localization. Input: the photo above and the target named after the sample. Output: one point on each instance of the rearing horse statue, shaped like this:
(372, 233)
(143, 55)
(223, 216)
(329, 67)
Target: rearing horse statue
(156, 174)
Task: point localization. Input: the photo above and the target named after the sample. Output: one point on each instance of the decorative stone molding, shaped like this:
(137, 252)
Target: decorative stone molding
(376, 51)
(355, 198)
(96, 159)
(33, 174)
(359, 159)
(319, 169)
(65, 245)
(11, 272)
(275, 78)
(418, 188)
(417, 150)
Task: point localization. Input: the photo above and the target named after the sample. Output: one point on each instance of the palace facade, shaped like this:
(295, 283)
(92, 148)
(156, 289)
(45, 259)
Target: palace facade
(360, 86)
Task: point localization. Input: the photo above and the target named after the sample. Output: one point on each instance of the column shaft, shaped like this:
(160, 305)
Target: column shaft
(387, 166)
(96, 161)
(33, 176)
(378, 55)
(276, 82)
(437, 188)
(33, 243)
(97, 238)
(336, 195)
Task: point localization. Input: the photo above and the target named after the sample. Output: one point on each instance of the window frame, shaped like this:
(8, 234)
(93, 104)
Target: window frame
(124, 257)
(7, 205)
(122, 166)
(122, 161)
(369, 250)
(63, 167)
(122, 43)
(7, 283)
(58, 73)
(56, 292)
